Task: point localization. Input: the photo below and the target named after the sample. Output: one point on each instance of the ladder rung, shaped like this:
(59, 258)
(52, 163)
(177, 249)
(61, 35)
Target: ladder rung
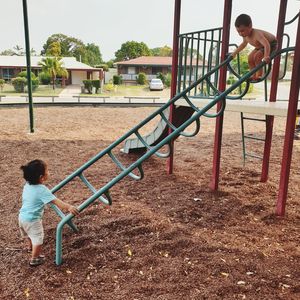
(158, 154)
(254, 138)
(181, 133)
(212, 86)
(91, 187)
(190, 103)
(123, 168)
(253, 119)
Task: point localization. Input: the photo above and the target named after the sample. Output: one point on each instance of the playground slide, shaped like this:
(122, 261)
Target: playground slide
(181, 114)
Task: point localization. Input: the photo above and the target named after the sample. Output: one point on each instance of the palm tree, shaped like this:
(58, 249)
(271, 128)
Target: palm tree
(53, 66)
(18, 50)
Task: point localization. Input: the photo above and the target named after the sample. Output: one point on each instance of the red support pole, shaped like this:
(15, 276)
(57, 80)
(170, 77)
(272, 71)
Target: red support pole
(273, 93)
(289, 129)
(222, 86)
(176, 31)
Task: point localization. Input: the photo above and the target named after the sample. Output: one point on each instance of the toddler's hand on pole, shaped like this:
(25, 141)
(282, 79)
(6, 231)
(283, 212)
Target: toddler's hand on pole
(73, 210)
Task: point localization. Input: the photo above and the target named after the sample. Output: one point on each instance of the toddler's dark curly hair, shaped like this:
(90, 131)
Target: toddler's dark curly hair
(33, 171)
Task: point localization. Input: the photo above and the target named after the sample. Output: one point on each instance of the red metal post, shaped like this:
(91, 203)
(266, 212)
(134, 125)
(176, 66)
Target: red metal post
(289, 130)
(176, 31)
(222, 86)
(273, 93)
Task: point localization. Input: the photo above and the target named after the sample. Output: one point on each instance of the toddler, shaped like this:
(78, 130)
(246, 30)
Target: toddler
(34, 198)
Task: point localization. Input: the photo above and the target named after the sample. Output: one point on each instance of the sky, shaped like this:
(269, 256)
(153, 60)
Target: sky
(109, 23)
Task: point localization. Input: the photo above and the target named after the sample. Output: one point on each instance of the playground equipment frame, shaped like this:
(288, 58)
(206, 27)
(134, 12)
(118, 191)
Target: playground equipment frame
(292, 108)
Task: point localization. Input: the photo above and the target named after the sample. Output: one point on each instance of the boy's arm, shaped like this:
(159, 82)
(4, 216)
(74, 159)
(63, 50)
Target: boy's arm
(65, 206)
(239, 48)
(266, 44)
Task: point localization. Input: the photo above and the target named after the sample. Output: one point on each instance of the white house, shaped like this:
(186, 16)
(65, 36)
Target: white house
(10, 66)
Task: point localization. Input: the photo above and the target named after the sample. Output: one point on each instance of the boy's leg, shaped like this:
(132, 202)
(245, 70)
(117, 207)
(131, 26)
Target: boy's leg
(252, 58)
(36, 235)
(257, 59)
(29, 244)
(36, 251)
(251, 61)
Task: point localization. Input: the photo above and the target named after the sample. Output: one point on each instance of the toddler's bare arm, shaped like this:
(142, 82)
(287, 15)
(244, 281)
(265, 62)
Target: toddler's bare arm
(65, 206)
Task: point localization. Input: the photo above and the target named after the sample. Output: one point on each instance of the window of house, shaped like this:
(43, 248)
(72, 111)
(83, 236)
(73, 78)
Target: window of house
(8, 73)
(131, 70)
(156, 70)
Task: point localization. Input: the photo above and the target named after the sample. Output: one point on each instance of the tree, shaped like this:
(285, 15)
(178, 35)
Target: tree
(69, 46)
(54, 49)
(53, 67)
(8, 52)
(2, 82)
(162, 51)
(93, 55)
(243, 61)
(132, 49)
(17, 50)
(110, 63)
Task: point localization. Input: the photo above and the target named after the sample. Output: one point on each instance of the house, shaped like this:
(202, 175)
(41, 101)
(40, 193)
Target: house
(10, 66)
(151, 65)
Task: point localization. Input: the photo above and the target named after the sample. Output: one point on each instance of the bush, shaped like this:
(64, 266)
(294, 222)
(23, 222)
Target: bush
(34, 80)
(96, 84)
(231, 80)
(162, 77)
(2, 81)
(117, 79)
(88, 85)
(168, 80)
(45, 78)
(19, 84)
(24, 75)
(141, 79)
(109, 87)
(34, 83)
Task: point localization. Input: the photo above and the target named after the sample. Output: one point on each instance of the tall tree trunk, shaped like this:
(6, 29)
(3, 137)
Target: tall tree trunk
(53, 81)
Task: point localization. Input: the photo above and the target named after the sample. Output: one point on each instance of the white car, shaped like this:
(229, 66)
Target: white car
(156, 85)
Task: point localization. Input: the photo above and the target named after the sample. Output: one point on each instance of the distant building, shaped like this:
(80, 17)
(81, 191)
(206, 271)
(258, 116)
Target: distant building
(10, 66)
(151, 65)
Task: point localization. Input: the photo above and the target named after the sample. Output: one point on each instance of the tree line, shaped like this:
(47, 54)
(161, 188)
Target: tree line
(61, 45)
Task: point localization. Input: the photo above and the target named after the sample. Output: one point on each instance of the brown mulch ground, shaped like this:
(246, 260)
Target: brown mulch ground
(165, 237)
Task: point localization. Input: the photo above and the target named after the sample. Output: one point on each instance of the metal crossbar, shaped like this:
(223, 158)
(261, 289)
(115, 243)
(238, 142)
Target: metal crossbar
(128, 171)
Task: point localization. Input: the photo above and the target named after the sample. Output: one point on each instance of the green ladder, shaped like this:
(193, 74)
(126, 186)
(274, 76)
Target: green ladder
(250, 137)
(103, 194)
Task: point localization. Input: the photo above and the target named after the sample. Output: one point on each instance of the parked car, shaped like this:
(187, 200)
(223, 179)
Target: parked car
(156, 85)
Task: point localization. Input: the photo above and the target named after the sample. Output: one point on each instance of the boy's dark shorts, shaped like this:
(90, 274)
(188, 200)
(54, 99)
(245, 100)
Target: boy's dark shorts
(273, 47)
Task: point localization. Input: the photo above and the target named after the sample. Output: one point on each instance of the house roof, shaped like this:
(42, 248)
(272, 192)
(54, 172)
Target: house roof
(148, 61)
(152, 61)
(70, 63)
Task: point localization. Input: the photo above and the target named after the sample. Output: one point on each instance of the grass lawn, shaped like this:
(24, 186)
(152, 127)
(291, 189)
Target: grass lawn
(42, 90)
(131, 90)
(143, 91)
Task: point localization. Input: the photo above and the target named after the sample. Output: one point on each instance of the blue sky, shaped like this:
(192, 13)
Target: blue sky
(109, 23)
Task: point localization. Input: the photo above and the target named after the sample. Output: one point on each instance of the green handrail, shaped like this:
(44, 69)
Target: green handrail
(152, 150)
